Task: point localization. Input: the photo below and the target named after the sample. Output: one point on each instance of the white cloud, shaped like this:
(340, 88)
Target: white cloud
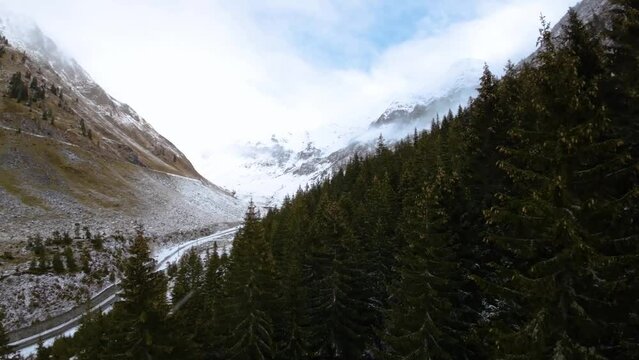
(209, 74)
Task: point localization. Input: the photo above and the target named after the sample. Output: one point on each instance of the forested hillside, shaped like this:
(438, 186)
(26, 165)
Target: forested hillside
(508, 230)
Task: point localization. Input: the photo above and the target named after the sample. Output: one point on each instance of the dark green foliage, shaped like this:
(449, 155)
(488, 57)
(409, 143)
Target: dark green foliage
(43, 264)
(97, 240)
(17, 88)
(57, 264)
(69, 258)
(172, 270)
(36, 245)
(92, 339)
(47, 115)
(85, 261)
(565, 162)
(189, 276)
(43, 353)
(507, 230)
(140, 326)
(249, 293)
(137, 326)
(337, 287)
(57, 239)
(426, 317)
(36, 91)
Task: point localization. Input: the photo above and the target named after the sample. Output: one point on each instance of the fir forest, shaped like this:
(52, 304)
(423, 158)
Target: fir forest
(507, 230)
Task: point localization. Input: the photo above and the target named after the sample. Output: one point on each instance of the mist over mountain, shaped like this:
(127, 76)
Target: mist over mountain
(279, 167)
(284, 164)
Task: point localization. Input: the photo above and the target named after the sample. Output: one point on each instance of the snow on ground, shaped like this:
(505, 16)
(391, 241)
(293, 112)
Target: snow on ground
(33, 349)
(164, 255)
(171, 254)
(29, 298)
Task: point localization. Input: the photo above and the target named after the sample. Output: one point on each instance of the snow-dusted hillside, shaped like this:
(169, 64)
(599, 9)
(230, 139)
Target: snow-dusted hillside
(120, 129)
(93, 160)
(78, 156)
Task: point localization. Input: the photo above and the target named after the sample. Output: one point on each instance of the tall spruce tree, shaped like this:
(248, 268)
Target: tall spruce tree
(212, 330)
(189, 307)
(552, 221)
(17, 88)
(190, 275)
(622, 100)
(95, 336)
(337, 294)
(248, 286)
(141, 330)
(426, 317)
(289, 247)
(71, 264)
(622, 93)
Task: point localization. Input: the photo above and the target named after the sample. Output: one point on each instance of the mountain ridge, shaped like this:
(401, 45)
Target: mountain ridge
(71, 153)
(127, 127)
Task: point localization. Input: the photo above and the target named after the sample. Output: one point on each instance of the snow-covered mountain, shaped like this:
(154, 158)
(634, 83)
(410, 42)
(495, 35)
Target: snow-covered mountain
(283, 166)
(79, 155)
(272, 169)
(269, 170)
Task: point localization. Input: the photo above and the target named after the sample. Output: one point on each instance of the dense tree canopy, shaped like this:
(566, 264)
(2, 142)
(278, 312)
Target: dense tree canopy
(507, 230)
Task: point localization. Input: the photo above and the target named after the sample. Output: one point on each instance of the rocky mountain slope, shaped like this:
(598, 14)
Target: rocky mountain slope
(587, 10)
(71, 153)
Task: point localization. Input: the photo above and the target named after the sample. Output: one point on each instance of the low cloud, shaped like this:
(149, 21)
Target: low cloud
(209, 74)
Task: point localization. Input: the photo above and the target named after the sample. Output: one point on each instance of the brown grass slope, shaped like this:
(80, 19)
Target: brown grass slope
(52, 175)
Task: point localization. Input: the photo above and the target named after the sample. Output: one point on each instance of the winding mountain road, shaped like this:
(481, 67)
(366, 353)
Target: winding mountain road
(26, 338)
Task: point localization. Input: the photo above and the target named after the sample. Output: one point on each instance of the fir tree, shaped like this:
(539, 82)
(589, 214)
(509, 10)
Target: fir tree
(552, 220)
(85, 260)
(57, 264)
(426, 317)
(17, 88)
(140, 315)
(248, 285)
(189, 275)
(291, 317)
(337, 295)
(94, 339)
(72, 266)
(43, 264)
(212, 331)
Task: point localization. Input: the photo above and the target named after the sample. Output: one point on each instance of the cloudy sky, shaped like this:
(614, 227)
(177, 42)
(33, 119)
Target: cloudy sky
(208, 74)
